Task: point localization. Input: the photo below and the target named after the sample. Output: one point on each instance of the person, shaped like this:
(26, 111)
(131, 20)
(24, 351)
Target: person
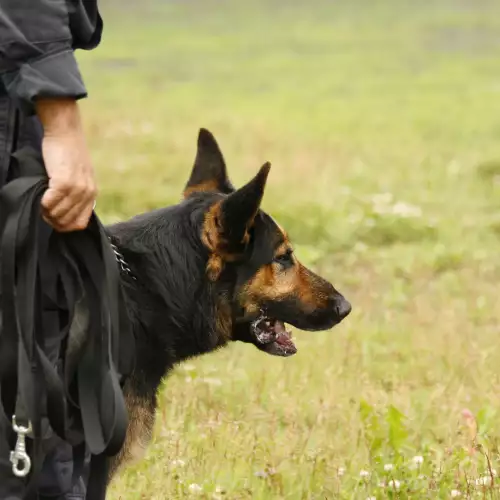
(40, 86)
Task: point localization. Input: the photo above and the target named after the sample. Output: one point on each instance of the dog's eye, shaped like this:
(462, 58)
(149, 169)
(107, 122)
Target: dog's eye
(285, 259)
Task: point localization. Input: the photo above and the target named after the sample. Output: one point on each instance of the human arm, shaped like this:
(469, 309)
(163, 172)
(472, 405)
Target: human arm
(39, 72)
(68, 202)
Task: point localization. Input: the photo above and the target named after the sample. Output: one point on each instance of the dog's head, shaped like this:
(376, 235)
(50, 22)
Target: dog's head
(260, 282)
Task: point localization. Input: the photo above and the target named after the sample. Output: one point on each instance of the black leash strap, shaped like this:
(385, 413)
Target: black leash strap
(43, 274)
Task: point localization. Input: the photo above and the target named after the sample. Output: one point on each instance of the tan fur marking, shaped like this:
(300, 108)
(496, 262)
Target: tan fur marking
(223, 320)
(214, 267)
(214, 241)
(141, 422)
(306, 289)
(210, 185)
(269, 283)
(282, 249)
(273, 283)
(211, 227)
(246, 238)
(210, 237)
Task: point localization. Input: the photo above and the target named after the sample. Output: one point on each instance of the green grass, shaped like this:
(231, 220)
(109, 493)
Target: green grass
(382, 122)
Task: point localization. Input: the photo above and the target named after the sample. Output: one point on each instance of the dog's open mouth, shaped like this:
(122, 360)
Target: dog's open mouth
(272, 337)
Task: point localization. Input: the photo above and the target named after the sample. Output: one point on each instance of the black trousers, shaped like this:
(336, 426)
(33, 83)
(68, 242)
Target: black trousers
(56, 481)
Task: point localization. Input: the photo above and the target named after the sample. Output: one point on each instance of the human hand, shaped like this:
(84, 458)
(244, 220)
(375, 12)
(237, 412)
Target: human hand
(69, 200)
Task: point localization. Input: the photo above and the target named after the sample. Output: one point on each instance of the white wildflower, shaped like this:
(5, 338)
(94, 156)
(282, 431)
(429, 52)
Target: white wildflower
(188, 368)
(388, 467)
(212, 424)
(483, 481)
(418, 460)
(493, 472)
(341, 471)
(177, 463)
(364, 473)
(212, 381)
(195, 488)
(371, 498)
(406, 210)
(455, 493)
(394, 484)
(219, 489)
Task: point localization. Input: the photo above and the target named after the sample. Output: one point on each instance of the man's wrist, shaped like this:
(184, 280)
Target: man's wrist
(59, 116)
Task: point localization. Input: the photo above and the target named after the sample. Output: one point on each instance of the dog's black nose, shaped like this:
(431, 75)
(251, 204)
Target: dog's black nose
(342, 307)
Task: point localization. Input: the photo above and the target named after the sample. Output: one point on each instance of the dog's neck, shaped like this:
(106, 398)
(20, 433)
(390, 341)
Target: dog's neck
(174, 308)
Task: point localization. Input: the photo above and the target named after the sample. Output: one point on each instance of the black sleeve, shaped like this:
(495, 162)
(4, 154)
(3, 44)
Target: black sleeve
(36, 51)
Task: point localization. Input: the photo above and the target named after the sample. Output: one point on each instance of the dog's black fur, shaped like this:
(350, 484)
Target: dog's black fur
(209, 270)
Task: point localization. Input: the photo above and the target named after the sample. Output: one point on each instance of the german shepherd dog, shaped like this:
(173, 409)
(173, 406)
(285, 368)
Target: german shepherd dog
(212, 269)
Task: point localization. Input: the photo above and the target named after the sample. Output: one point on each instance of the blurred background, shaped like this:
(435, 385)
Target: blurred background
(382, 123)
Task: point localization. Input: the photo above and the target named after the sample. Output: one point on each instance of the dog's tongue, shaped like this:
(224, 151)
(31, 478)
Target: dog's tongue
(283, 336)
(284, 339)
(271, 337)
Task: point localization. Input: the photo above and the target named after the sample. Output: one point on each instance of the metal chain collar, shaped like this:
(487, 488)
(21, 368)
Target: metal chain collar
(121, 260)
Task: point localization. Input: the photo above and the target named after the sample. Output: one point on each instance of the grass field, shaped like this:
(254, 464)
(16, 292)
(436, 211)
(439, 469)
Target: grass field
(382, 122)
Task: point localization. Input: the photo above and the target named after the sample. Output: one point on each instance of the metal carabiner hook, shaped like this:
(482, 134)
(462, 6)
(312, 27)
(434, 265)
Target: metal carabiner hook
(20, 460)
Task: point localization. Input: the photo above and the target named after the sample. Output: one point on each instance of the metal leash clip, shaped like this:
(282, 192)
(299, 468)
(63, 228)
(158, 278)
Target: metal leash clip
(21, 462)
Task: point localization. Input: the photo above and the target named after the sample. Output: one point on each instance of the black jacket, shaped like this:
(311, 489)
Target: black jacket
(37, 40)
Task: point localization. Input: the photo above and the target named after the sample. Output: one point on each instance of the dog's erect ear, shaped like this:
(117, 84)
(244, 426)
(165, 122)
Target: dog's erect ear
(227, 224)
(209, 172)
(238, 210)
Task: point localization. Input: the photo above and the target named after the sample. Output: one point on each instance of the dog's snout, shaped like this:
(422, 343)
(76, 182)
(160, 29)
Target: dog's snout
(342, 307)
